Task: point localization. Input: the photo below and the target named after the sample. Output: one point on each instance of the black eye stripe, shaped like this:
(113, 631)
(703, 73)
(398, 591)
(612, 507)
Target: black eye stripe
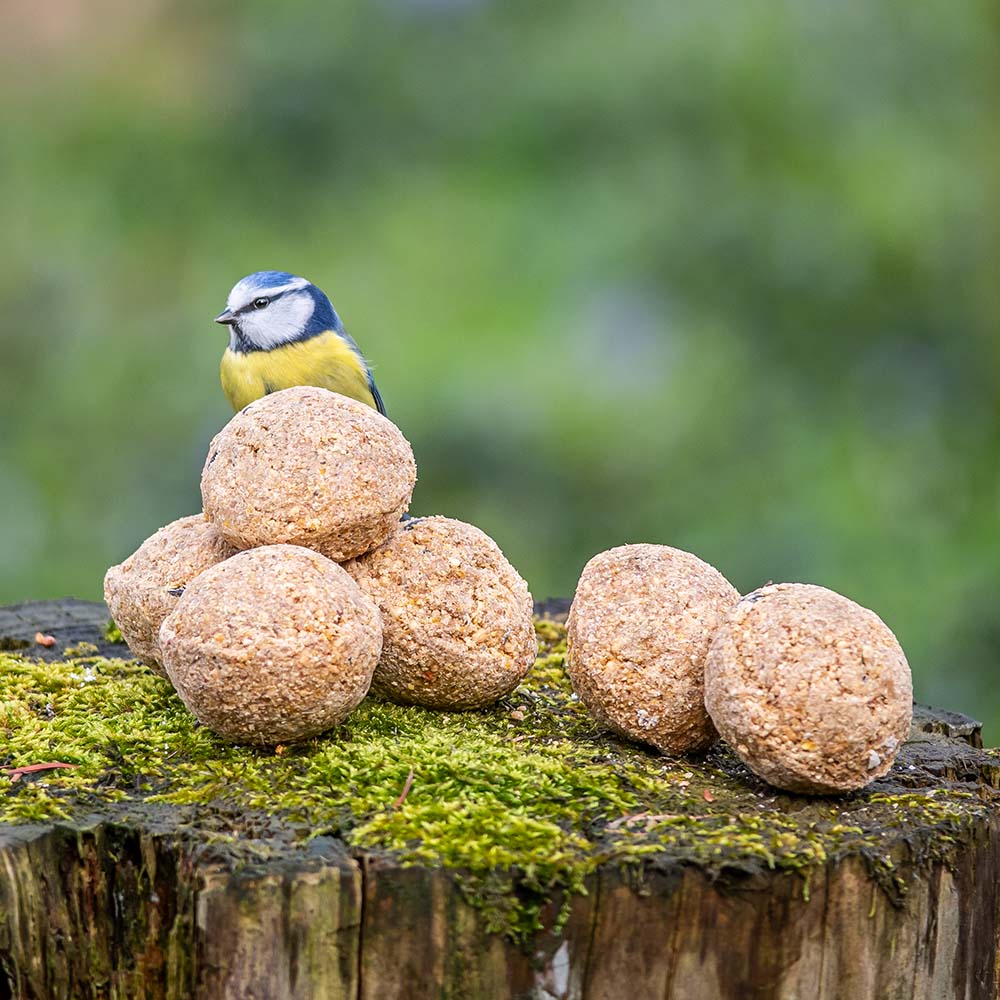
(249, 307)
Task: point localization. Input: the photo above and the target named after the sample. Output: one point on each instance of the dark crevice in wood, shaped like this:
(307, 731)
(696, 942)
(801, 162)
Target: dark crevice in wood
(6, 985)
(362, 864)
(589, 960)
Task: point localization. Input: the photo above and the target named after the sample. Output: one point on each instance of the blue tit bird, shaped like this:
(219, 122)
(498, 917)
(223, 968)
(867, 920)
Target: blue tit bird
(283, 331)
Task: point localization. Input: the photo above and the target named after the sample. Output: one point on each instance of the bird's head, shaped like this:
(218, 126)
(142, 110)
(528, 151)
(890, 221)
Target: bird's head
(270, 308)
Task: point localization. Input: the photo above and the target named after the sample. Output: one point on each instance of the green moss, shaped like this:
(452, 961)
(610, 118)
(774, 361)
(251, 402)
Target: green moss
(112, 633)
(81, 650)
(539, 801)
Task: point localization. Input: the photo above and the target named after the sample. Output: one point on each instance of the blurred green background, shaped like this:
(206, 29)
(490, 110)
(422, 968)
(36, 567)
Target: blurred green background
(723, 276)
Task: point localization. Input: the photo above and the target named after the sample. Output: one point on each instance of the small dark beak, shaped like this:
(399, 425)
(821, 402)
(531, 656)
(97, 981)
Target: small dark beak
(226, 317)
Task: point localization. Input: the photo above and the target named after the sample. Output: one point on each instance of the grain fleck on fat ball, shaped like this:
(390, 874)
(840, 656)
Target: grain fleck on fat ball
(638, 633)
(144, 589)
(810, 689)
(458, 620)
(274, 645)
(306, 466)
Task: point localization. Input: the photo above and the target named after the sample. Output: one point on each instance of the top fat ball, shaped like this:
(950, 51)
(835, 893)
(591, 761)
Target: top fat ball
(306, 466)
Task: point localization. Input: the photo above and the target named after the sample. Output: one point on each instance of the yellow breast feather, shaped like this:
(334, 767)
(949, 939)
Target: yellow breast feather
(324, 360)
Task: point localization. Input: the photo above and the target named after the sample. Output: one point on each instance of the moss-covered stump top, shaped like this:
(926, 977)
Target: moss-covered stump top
(530, 792)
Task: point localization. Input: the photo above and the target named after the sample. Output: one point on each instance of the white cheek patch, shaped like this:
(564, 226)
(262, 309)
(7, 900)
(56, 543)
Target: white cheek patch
(279, 323)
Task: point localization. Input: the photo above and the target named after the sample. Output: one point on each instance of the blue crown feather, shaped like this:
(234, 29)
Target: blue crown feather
(269, 279)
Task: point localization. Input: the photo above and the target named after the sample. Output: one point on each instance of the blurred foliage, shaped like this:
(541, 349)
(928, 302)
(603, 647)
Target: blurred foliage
(720, 276)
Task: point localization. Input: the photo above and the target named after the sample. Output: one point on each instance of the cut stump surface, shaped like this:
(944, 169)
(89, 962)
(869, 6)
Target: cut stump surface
(531, 855)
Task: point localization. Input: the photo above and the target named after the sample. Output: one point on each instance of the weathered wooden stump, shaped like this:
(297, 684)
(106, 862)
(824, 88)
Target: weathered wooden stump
(513, 853)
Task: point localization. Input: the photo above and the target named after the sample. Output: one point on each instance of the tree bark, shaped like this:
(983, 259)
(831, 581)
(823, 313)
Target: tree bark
(143, 904)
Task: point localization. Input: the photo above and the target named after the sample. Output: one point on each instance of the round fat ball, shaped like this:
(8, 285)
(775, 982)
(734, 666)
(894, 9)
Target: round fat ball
(274, 645)
(307, 466)
(638, 633)
(810, 689)
(459, 629)
(143, 590)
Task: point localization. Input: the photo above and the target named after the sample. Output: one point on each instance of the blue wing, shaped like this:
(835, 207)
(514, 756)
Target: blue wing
(376, 394)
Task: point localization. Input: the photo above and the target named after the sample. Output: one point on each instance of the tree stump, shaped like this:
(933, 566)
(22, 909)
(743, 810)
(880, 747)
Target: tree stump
(168, 865)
